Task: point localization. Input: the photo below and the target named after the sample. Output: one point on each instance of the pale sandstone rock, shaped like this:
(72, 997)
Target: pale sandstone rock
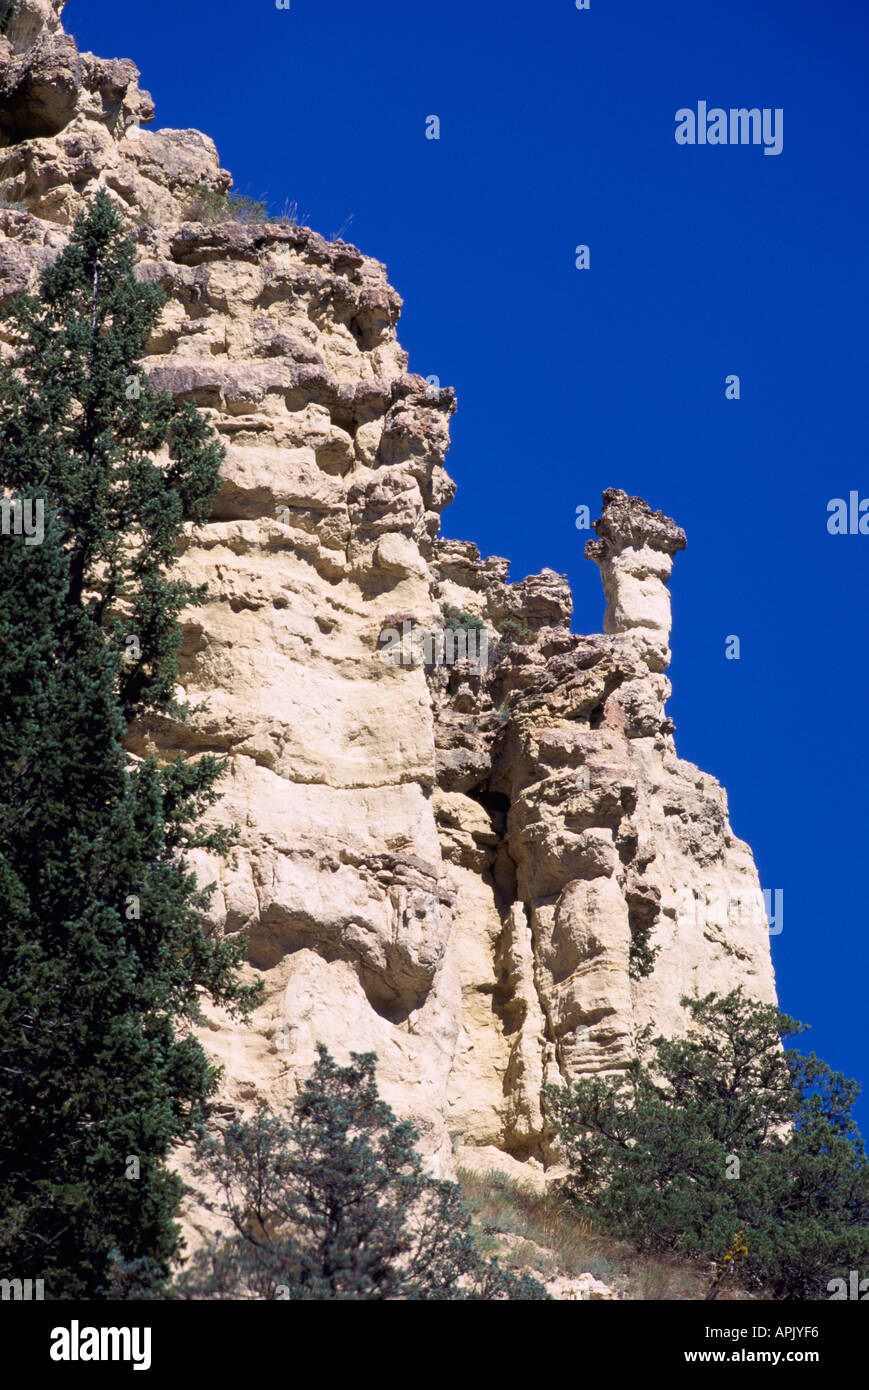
(483, 1160)
(518, 1252)
(581, 1288)
(443, 866)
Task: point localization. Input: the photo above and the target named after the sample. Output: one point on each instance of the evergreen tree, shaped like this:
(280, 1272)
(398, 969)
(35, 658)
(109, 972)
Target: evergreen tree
(102, 953)
(332, 1202)
(723, 1131)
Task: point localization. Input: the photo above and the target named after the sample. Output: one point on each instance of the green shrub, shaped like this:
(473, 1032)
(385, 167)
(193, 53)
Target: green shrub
(459, 621)
(558, 1237)
(719, 1132)
(512, 634)
(331, 1202)
(641, 953)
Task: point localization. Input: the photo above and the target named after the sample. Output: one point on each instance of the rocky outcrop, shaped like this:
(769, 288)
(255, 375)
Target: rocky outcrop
(71, 122)
(464, 866)
(577, 835)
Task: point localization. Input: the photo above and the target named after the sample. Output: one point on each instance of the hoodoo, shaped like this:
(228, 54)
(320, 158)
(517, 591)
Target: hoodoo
(478, 874)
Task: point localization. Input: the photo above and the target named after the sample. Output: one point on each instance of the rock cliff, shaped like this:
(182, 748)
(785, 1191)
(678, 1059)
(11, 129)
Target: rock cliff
(491, 872)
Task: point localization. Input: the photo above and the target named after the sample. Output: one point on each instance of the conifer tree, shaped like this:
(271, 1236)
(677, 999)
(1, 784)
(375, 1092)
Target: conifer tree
(330, 1202)
(102, 953)
(719, 1132)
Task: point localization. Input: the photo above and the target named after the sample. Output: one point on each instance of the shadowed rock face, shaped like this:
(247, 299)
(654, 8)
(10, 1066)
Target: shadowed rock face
(47, 85)
(24, 23)
(444, 865)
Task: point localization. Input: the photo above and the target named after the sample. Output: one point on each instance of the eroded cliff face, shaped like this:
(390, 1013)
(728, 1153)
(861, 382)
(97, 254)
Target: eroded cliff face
(450, 866)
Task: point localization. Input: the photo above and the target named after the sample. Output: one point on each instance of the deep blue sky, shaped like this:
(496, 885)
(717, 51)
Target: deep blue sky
(557, 128)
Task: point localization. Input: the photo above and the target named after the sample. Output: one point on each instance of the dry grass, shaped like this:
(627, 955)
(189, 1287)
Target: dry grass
(543, 1234)
(208, 206)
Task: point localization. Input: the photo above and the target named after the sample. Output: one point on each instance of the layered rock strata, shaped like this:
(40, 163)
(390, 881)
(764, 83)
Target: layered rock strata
(451, 865)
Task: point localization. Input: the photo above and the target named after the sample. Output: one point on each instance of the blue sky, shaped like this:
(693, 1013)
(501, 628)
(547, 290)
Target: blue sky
(557, 129)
